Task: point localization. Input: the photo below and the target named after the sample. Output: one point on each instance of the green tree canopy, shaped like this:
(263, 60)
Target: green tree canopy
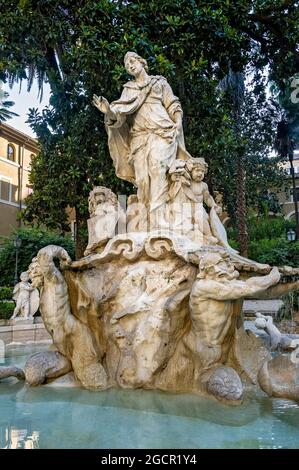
(78, 47)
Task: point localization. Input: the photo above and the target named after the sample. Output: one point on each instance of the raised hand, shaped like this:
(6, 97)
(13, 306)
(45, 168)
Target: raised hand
(101, 103)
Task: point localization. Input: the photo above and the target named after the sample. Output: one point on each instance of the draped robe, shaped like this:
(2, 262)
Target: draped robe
(143, 139)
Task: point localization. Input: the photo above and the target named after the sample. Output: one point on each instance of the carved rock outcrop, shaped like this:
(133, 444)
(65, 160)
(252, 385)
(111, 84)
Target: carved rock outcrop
(279, 377)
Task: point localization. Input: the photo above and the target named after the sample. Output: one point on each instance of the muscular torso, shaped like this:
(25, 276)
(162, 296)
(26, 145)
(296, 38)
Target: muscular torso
(212, 318)
(198, 190)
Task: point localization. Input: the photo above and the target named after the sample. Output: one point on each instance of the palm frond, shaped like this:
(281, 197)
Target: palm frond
(30, 77)
(41, 75)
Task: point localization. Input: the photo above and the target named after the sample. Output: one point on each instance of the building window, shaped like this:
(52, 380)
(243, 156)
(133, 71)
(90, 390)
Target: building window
(5, 189)
(29, 190)
(11, 153)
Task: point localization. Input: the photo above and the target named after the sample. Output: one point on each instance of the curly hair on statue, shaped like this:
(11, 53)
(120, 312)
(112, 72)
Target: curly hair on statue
(194, 162)
(110, 198)
(136, 56)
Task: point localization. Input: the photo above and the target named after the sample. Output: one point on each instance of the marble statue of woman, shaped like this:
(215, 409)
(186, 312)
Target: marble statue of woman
(145, 132)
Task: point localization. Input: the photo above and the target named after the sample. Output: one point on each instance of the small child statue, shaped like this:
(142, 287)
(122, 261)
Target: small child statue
(188, 193)
(26, 298)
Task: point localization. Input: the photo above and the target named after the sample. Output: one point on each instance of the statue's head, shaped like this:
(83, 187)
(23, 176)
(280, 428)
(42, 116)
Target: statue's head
(197, 168)
(35, 274)
(24, 276)
(134, 63)
(100, 195)
(217, 266)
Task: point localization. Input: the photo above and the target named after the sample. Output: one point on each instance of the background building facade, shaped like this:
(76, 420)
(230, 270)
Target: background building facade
(16, 152)
(286, 198)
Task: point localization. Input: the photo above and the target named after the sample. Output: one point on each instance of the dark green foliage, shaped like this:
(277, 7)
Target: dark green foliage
(6, 310)
(265, 228)
(6, 293)
(276, 252)
(32, 241)
(268, 241)
(193, 44)
(290, 305)
(271, 228)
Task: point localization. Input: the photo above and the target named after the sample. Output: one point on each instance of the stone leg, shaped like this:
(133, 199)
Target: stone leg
(209, 340)
(85, 359)
(11, 371)
(16, 311)
(26, 311)
(46, 365)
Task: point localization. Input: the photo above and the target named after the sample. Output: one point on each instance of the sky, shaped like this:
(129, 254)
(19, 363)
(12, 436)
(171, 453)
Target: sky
(24, 101)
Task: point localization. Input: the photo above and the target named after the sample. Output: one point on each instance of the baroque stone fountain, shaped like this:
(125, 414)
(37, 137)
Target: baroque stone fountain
(156, 303)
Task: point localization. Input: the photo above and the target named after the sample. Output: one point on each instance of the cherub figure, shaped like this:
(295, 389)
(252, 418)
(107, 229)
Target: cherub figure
(188, 194)
(198, 168)
(26, 298)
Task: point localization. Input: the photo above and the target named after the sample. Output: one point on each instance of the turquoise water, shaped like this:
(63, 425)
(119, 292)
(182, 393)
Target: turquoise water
(46, 417)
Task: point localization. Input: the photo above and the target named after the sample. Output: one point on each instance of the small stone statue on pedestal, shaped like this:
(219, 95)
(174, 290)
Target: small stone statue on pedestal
(26, 298)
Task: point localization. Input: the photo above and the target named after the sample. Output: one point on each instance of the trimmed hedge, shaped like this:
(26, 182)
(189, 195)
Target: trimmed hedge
(6, 310)
(32, 241)
(276, 252)
(6, 293)
(265, 228)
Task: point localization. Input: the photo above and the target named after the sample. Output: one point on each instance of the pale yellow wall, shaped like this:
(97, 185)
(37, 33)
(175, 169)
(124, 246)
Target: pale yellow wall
(14, 172)
(286, 200)
(8, 219)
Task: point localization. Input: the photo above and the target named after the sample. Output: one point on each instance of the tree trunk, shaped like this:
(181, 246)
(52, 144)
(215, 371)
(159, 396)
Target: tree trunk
(241, 191)
(241, 208)
(294, 196)
(80, 238)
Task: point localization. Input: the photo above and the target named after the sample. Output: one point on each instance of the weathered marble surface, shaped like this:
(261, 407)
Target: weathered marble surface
(45, 365)
(105, 215)
(11, 371)
(279, 377)
(154, 311)
(72, 338)
(278, 340)
(157, 302)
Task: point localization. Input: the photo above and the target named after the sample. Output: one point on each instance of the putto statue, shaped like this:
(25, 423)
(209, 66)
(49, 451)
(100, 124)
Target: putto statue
(156, 303)
(26, 297)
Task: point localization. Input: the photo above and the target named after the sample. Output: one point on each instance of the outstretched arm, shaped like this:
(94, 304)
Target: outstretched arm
(103, 105)
(278, 290)
(233, 290)
(208, 199)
